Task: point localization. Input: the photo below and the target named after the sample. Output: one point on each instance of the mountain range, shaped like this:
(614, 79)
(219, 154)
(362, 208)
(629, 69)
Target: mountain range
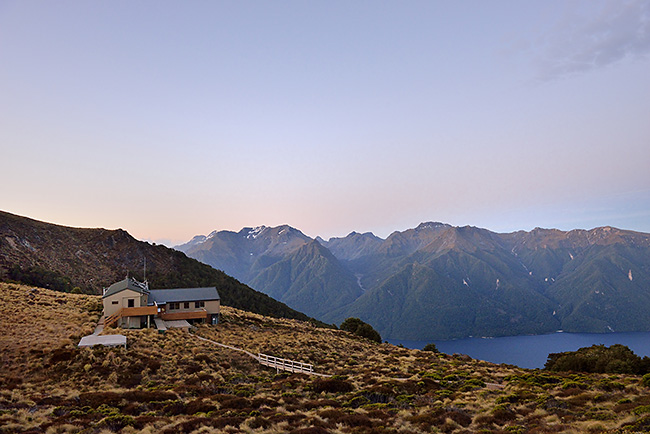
(87, 260)
(438, 281)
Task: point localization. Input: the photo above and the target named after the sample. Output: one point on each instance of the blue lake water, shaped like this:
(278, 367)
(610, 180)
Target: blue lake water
(532, 351)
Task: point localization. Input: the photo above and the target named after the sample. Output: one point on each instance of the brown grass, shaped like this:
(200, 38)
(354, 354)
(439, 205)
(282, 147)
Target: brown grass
(176, 383)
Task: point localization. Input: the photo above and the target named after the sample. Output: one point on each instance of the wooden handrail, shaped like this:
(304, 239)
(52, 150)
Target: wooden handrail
(111, 320)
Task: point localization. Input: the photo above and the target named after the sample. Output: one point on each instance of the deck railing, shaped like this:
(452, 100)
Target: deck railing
(191, 314)
(112, 320)
(139, 311)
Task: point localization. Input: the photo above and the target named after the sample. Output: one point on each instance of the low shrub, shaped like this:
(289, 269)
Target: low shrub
(236, 402)
(617, 359)
(502, 413)
(95, 399)
(61, 355)
(459, 416)
(332, 385)
(574, 385)
(354, 420)
(431, 347)
(203, 358)
(142, 421)
(645, 380)
(149, 396)
(357, 402)
(174, 408)
(199, 406)
(360, 328)
(642, 409)
(332, 415)
(310, 430)
(258, 422)
(116, 422)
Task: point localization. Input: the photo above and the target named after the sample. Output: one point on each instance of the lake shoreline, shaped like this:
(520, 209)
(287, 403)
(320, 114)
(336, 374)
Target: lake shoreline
(531, 351)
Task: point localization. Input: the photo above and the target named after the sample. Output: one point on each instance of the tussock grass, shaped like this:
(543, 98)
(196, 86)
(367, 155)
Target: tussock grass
(174, 382)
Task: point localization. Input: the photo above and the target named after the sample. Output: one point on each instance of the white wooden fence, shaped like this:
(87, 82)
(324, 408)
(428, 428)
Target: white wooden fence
(273, 362)
(284, 364)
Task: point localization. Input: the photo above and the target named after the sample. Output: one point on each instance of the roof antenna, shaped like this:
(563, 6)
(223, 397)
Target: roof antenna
(145, 268)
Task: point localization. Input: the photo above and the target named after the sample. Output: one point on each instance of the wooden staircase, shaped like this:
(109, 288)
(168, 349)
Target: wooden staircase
(112, 320)
(133, 311)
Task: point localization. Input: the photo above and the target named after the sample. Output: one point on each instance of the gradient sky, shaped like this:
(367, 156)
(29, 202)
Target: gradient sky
(171, 119)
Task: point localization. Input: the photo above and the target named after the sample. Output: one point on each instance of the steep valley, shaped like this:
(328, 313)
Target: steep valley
(437, 281)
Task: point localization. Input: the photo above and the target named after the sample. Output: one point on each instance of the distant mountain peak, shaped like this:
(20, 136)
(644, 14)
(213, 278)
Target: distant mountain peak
(354, 234)
(514, 282)
(255, 232)
(431, 225)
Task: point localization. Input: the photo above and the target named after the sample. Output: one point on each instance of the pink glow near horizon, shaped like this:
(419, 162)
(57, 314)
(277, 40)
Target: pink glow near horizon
(171, 120)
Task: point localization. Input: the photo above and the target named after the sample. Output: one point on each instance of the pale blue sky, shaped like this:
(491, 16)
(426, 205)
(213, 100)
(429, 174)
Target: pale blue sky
(171, 119)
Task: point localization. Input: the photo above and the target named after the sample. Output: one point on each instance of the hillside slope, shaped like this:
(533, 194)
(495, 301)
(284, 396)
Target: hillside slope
(176, 383)
(65, 258)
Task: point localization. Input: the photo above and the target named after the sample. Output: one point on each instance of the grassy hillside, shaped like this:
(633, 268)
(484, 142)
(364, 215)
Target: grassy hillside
(175, 383)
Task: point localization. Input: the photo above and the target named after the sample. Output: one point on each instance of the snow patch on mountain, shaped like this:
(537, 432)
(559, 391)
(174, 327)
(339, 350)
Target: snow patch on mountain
(255, 232)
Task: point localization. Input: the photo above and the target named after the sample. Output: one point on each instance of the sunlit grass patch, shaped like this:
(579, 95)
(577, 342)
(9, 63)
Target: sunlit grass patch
(174, 382)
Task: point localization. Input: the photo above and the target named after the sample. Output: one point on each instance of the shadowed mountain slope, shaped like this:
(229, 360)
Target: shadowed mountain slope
(437, 281)
(354, 246)
(281, 262)
(88, 260)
